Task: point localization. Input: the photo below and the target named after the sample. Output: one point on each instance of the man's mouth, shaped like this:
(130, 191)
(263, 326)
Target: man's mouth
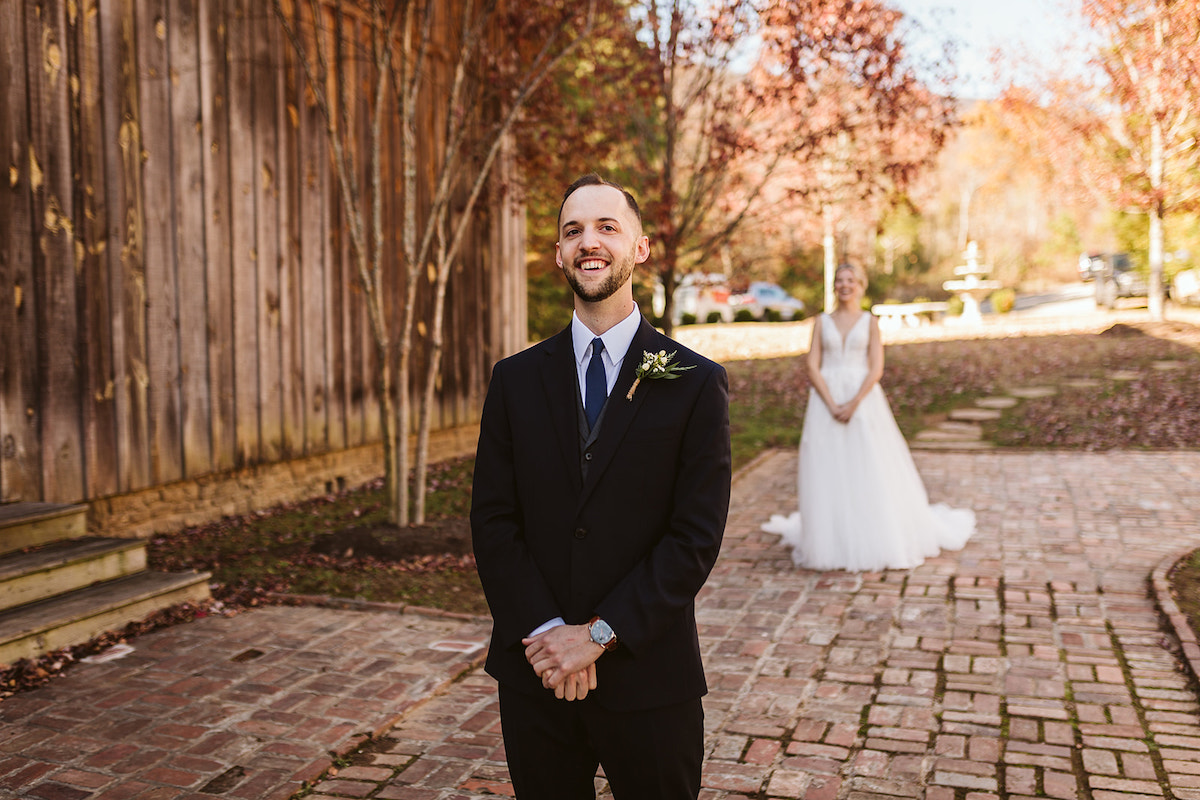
(591, 264)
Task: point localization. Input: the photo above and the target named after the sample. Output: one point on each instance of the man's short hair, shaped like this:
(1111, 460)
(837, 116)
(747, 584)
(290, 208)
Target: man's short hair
(593, 179)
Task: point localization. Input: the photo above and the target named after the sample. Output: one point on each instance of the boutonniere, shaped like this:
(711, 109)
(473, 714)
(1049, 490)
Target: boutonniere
(655, 366)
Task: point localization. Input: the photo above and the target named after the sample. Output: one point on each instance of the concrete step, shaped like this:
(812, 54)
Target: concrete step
(61, 567)
(25, 525)
(74, 618)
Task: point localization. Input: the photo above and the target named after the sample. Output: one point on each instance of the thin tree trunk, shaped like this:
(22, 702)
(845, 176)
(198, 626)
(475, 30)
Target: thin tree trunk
(1155, 298)
(827, 242)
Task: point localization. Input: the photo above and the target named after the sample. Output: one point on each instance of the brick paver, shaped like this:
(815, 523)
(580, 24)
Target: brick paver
(1033, 663)
(245, 707)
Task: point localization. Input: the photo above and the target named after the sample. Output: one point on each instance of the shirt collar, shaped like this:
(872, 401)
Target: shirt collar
(616, 339)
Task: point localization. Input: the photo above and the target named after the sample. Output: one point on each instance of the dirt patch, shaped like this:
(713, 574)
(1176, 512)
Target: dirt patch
(1122, 330)
(397, 543)
(1182, 332)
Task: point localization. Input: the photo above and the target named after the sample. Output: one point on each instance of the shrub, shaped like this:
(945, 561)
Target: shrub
(954, 306)
(772, 315)
(1003, 300)
(743, 315)
(687, 319)
(714, 316)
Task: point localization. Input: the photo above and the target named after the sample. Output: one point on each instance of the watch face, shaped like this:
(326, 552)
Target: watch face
(601, 631)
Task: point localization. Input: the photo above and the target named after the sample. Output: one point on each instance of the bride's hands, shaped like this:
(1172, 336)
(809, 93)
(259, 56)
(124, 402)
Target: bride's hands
(844, 412)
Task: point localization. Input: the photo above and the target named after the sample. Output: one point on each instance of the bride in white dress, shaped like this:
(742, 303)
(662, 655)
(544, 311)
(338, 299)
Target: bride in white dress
(862, 502)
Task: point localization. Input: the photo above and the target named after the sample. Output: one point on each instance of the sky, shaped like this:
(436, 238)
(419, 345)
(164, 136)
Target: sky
(1027, 32)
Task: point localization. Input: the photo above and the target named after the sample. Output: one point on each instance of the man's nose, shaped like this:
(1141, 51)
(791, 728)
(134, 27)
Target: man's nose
(589, 240)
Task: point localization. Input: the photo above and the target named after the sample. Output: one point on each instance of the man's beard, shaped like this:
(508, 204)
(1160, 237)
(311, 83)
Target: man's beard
(619, 270)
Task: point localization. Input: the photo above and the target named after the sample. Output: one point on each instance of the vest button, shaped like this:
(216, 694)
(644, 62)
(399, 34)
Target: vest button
(587, 456)
(581, 533)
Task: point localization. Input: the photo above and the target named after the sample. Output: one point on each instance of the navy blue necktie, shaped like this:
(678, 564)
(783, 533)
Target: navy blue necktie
(595, 384)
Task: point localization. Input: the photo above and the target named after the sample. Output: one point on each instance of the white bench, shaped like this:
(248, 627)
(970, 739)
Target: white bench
(895, 315)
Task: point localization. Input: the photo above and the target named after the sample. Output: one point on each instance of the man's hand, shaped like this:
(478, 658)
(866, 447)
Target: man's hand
(576, 685)
(564, 658)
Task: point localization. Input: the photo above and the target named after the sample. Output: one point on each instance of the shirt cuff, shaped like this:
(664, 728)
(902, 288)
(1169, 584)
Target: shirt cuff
(545, 626)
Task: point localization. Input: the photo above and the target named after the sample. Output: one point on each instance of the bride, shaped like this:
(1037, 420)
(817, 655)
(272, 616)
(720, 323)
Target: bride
(862, 503)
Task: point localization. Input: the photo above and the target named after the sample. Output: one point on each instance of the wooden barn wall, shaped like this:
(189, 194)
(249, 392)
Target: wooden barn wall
(177, 296)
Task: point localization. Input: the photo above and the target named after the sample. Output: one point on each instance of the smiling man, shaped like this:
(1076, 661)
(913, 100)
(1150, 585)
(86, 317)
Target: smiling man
(597, 513)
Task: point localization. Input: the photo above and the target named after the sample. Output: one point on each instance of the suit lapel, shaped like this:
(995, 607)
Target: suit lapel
(619, 412)
(561, 384)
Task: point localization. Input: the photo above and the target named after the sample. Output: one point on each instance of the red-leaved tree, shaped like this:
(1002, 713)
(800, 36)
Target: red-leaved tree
(825, 105)
(1129, 133)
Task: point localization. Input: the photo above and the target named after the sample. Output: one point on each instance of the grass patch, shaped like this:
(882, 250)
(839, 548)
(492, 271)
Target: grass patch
(340, 545)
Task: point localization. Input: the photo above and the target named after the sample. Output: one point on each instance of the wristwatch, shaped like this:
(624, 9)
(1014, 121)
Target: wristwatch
(602, 633)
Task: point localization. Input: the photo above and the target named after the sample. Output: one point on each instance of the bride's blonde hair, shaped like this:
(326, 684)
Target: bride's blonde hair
(859, 273)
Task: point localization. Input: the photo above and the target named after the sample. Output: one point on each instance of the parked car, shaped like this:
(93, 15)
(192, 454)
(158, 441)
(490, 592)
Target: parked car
(1186, 287)
(1115, 276)
(697, 295)
(762, 298)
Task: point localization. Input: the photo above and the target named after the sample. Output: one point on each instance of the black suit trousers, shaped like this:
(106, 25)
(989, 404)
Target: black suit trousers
(553, 748)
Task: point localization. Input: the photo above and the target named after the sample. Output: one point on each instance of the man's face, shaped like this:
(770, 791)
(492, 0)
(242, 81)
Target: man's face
(599, 241)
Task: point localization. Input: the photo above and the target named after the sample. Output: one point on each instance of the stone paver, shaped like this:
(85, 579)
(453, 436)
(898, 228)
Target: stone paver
(1033, 663)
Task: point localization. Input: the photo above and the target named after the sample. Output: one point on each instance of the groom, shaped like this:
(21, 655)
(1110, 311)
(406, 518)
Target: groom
(597, 514)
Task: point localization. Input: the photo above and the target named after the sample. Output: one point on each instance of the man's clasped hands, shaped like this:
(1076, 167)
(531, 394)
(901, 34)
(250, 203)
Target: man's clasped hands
(565, 659)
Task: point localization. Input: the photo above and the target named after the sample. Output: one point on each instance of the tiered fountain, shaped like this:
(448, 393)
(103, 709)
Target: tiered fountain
(971, 288)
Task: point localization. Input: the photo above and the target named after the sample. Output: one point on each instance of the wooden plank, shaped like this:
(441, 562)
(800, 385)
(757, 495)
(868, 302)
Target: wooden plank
(20, 456)
(353, 291)
(59, 412)
(243, 226)
(316, 335)
(336, 292)
(94, 298)
(311, 158)
(292, 320)
(265, 94)
(125, 251)
(183, 39)
(363, 98)
(162, 289)
(218, 269)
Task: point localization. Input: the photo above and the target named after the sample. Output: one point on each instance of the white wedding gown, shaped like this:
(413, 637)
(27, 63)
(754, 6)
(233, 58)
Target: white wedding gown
(862, 502)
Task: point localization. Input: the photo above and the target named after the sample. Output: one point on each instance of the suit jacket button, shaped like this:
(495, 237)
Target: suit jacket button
(581, 533)
(587, 456)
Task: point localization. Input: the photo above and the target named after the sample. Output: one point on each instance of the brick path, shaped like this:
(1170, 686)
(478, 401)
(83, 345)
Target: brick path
(1034, 663)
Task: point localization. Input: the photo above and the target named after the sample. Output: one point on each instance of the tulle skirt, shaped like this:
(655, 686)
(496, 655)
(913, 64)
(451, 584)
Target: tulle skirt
(863, 506)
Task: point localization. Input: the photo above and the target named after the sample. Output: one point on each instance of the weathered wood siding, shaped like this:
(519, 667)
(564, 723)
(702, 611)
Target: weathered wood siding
(177, 296)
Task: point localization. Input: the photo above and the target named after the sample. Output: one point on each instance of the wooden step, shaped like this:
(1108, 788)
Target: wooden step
(61, 567)
(25, 525)
(74, 618)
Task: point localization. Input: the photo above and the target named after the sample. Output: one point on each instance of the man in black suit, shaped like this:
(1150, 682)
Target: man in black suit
(598, 507)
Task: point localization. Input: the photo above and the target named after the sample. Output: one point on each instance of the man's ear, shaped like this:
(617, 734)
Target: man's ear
(642, 250)
(557, 255)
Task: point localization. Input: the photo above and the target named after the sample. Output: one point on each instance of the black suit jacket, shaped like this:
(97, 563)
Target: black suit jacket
(633, 544)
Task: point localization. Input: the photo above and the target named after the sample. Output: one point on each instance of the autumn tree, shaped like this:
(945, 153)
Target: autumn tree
(1152, 63)
(827, 97)
(449, 64)
(1129, 134)
(595, 112)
